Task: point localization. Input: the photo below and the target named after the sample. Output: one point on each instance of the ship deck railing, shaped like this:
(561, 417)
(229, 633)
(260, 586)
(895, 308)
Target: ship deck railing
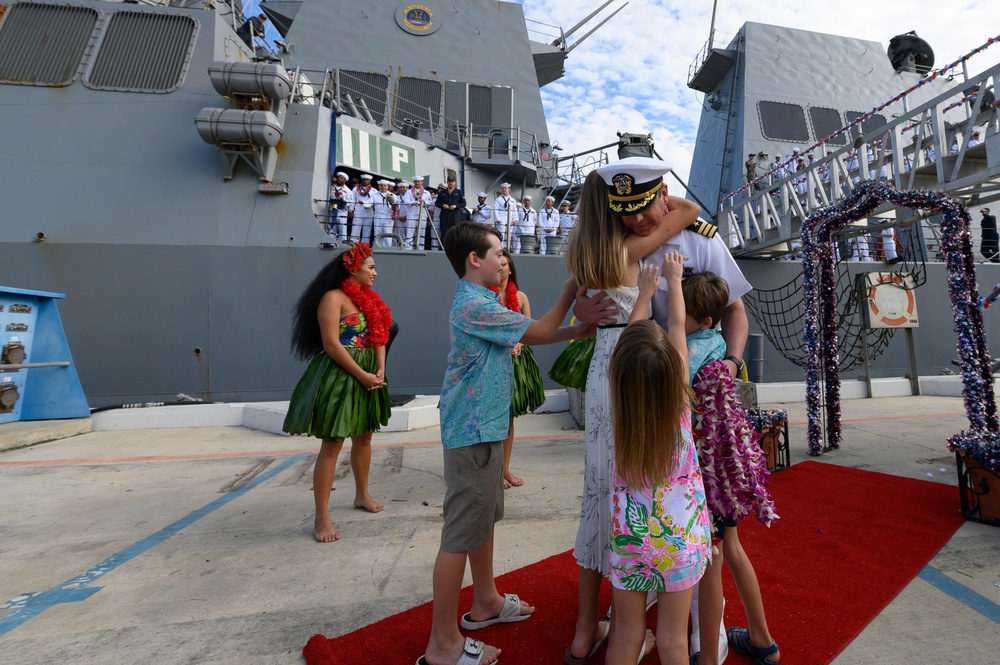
(376, 99)
(924, 147)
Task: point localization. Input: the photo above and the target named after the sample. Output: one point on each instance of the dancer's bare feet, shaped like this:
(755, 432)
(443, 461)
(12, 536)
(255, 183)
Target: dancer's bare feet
(510, 480)
(368, 503)
(325, 532)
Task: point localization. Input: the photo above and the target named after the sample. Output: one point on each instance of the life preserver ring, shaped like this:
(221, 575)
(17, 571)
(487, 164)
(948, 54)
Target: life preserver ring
(896, 280)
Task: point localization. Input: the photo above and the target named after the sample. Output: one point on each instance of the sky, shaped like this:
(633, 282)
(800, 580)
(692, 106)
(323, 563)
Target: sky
(631, 75)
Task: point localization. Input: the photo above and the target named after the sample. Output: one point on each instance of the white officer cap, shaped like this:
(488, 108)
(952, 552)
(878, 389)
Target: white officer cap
(366, 176)
(341, 174)
(633, 183)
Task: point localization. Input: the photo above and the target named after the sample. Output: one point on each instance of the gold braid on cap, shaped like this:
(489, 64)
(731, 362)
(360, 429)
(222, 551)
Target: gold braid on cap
(626, 197)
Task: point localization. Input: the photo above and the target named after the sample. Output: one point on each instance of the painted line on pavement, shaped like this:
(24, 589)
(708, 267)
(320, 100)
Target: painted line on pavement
(255, 453)
(29, 605)
(961, 593)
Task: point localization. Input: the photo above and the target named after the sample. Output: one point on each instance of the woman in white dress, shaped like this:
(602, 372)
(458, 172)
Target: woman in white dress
(604, 255)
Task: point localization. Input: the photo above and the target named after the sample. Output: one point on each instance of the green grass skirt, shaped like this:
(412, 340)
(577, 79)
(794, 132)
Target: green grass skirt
(330, 404)
(529, 393)
(570, 368)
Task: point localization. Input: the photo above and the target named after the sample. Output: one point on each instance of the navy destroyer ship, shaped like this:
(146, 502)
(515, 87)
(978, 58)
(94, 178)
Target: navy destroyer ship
(173, 181)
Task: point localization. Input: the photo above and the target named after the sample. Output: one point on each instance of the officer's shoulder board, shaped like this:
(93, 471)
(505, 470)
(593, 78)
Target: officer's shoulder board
(704, 229)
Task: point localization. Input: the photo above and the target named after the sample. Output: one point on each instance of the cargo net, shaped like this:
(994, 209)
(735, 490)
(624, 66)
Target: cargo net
(779, 312)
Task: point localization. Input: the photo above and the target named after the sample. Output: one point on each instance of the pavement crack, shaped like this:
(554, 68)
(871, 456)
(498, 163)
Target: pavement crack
(395, 562)
(248, 475)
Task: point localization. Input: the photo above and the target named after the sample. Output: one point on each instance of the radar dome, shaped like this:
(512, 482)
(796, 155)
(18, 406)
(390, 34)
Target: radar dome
(910, 53)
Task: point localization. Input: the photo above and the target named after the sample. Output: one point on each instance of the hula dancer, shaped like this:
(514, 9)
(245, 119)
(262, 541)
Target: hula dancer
(529, 394)
(343, 325)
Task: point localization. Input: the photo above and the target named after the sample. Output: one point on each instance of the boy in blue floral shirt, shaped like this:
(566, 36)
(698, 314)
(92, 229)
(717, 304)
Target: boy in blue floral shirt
(475, 416)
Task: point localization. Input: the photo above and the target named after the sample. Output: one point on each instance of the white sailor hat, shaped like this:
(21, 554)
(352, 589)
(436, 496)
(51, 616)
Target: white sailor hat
(341, 174)
(633, 183)
(564, 203)
(795, 150)
(402, 183)
(777, 157)
(550, 198)
(383, 181)
(366, 176)
(418, 178)
(526, 198)
(481, 195)
(505, 184)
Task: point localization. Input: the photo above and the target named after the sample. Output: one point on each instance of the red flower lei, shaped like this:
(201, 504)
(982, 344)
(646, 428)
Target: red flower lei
(356, 255)
(376, 312)
(513, 304)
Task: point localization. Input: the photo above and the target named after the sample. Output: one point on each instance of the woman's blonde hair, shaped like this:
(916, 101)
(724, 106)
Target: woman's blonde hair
(649, 393)
(597, 255)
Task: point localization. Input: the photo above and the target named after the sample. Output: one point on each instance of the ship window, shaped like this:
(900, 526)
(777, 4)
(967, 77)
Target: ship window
(481, 109)
(367, 91)
(418, 100)
(44, 44)
(783, 122)
(870, 126)
(825, 122)
(143, 52)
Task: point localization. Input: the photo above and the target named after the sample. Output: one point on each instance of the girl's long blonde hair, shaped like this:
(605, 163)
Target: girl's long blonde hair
(649, 393)
(596, 254)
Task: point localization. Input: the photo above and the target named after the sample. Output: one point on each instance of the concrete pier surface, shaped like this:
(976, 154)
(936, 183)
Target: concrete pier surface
(194, 545)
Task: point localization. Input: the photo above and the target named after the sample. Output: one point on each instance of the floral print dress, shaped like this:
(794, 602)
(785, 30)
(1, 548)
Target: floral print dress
(660, 536)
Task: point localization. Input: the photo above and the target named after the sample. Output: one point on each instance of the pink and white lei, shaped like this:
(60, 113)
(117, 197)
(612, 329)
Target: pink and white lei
(733, 464)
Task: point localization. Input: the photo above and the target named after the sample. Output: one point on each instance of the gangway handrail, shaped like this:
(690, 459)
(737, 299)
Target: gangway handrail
(927, 79)
(829, 178)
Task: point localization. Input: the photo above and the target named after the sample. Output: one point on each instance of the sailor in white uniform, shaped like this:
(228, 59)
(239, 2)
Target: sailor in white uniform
(383, 200)
(526, 225)
(416, 200)
(548, 221)
(505, 212)
(399, 224)
(341, 205)
(567, 220)
(482, 213)
(364, 209)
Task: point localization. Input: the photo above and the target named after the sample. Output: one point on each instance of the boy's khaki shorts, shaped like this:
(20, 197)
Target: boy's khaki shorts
(473, 499)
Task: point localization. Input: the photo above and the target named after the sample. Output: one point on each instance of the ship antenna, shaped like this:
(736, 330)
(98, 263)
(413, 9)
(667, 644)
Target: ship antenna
(596, 27)
(711, 28)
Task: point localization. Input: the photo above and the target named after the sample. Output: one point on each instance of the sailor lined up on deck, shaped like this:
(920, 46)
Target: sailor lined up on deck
(505, 211)
(384, 201)
(548, 222)
(482, 213)
(364, 209)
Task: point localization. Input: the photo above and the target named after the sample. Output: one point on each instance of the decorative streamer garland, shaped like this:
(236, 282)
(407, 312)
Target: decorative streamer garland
(820, 306)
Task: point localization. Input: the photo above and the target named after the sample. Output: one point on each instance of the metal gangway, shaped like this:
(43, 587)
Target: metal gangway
(930, 146)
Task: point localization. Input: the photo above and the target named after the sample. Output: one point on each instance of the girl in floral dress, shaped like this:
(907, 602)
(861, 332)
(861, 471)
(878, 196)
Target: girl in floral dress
(660, 531)
(343, 326)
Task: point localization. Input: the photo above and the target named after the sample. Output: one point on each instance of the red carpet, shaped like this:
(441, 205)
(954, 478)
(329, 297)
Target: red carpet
(847, 543)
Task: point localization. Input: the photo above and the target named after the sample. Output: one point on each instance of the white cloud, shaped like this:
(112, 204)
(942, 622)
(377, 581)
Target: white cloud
(631, 75)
